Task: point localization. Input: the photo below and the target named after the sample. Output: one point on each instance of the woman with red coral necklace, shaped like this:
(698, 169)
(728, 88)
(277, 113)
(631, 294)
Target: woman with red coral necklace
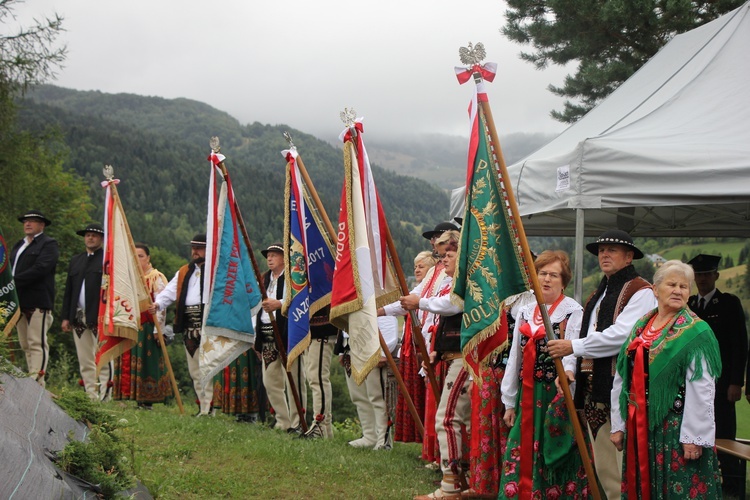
(663, 395)
(541, 459)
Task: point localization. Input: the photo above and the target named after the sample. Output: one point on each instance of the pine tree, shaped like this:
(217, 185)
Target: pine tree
(31, 164)
(29, 55)
(610, 39)
(743, 254)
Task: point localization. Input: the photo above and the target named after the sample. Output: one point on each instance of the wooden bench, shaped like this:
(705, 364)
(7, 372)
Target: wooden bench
(739, 449)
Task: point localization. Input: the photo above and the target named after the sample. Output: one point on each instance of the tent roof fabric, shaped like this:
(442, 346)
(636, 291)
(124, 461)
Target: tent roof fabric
(667, 153)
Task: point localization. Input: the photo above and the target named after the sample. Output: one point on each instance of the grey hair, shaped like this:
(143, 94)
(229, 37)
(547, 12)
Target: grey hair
(672, 267)
(425, 256)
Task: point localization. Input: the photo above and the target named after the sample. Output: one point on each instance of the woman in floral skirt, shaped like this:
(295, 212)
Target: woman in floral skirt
(663, 397)
(541, 459)
(141, 374)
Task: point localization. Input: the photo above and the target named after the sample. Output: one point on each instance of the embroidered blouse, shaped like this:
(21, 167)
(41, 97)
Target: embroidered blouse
(568, 308)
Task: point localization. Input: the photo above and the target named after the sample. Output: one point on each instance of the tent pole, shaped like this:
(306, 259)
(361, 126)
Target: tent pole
(578, 291)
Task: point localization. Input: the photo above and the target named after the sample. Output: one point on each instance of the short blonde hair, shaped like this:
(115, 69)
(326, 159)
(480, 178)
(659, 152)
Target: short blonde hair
(427, 257)
(449, 239)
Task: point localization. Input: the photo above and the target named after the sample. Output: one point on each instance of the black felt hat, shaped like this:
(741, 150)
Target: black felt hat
(199, 240)
(35, 214)
(705, 263)
(275, 247)
(91, 228)
(615, 237)
(440, 229)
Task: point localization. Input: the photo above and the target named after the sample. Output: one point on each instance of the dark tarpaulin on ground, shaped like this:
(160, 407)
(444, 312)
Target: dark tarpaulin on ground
(32, 429)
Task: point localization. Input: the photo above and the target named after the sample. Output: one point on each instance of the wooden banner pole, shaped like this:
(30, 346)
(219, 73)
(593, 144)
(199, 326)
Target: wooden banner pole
(276, 333)
(160, 336)
(389, 357)
(563, 378)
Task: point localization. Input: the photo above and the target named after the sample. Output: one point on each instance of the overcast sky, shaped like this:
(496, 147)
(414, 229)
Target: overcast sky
(301, 62)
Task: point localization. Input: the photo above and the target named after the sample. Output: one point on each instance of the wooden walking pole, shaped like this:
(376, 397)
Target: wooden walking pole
(160, 336)
(332, 236)
(276, 334)
(11, 323)
(484, 108)
(7, 334)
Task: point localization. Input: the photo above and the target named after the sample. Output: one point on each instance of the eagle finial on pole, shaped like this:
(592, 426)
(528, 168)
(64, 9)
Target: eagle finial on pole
(348, 116)
(473, 54)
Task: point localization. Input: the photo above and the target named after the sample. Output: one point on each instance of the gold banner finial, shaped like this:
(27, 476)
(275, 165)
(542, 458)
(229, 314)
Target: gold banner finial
(109, 172)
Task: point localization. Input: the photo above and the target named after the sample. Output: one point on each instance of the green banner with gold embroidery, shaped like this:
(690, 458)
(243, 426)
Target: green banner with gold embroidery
(9, 310)
(489, 265)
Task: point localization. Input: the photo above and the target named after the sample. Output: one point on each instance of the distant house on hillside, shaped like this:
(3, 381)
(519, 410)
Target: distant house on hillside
(656, 259)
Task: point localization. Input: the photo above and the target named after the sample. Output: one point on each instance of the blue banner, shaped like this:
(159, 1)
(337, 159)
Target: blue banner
(233, 294)
(235, 288)
(309, 261)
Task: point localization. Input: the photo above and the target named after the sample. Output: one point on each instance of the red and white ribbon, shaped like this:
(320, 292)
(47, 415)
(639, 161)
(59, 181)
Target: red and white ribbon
(487, 70)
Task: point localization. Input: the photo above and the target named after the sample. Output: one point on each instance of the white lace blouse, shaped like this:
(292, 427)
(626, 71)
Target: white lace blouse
(698, 426)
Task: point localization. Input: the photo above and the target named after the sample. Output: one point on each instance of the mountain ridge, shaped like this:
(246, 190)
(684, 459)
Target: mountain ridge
(159, 147)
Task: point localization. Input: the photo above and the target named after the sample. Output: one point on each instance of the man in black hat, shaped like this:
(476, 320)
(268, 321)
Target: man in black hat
(275, 379)
(436, 273)
(34, 260)
(186, 289)
(439, 229)
(724, 314)
(608, 317)
(80, 310)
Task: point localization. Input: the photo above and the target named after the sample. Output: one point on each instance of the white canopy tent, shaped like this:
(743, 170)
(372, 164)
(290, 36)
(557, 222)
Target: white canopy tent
(667, 153)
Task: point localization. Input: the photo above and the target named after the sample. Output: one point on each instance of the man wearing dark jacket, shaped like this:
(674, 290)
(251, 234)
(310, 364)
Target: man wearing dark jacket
(34, 260)
(724, 314)
(80, 311)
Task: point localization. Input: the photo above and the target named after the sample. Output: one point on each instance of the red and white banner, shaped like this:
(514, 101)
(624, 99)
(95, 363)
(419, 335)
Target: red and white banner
(124, 293)
(363, 278)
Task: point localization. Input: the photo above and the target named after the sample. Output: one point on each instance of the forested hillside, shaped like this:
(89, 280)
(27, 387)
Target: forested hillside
(159, 148)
